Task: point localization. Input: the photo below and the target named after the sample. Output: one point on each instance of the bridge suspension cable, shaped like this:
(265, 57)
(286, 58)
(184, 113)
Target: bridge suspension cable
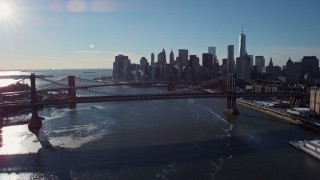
(54, 85)
(81, 82)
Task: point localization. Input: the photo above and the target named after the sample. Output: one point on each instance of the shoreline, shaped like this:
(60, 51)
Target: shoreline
(281, 116)
(284, 117)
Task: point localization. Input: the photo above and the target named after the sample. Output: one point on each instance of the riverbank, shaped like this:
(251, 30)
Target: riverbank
(280, 115)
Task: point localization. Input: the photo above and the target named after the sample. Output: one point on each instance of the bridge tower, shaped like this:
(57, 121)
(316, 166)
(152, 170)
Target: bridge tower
(72, 91)
(35, 123)
(232, 98)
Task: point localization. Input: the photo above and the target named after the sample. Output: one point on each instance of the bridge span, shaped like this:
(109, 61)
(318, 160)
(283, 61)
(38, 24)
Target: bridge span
(65, 92)
(137, 97)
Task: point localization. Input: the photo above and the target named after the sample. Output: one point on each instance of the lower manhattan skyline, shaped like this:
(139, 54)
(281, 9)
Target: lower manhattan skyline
(89, 34)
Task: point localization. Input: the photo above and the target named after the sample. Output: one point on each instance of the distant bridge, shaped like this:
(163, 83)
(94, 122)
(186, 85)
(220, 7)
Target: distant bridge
(73, 90)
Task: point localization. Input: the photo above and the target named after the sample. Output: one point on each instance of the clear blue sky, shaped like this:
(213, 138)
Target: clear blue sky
(89, 33)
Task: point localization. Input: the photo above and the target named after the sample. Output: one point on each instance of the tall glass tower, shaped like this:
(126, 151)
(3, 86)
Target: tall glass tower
(231, 63)
(242, 44)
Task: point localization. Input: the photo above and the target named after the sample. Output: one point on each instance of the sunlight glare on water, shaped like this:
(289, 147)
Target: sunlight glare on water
(18, 140)
(6, 82)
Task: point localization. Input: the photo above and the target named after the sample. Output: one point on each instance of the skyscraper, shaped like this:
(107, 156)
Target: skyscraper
(152, 59)
(171, 57)
(243, 64)
(162, 57)
(127, 76)
(118, 67)
(259, 62)
(310, 65)
(183, 57)
(243, 67)
(194, 61)
(212, 50)
(293, 72)
(143, 64)
(251, 60)
(242, 44)
(231, 63)
(207, 60)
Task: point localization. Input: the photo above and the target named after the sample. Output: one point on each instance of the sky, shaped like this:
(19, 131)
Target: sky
(62, 34)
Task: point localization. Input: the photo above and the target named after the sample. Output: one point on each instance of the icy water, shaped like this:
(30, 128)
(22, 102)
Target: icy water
(163, 139)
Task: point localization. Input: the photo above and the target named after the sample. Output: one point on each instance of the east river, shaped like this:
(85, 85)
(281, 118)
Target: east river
(158, 139)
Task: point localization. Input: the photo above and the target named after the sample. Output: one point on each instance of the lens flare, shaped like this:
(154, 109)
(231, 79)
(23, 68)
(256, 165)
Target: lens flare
(5, 10)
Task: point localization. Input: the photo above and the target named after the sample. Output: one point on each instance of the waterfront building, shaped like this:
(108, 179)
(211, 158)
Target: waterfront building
(315, 101)
(259, 62)
(118, 67)
(127, 76)
(231, 67)
(183, 57)
(207, 60)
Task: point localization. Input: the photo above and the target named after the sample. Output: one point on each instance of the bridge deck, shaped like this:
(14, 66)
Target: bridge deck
(135, 97)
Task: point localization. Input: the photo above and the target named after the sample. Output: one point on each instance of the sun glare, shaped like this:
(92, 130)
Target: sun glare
(5, 10)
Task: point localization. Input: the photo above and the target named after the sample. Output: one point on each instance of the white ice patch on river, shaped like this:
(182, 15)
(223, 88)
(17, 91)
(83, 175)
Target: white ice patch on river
(62, 112)
(76, 132)
(73, 141)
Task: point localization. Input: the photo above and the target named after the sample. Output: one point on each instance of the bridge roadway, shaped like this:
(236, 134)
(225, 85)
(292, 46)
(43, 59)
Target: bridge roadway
(161, 83)
(136, 97)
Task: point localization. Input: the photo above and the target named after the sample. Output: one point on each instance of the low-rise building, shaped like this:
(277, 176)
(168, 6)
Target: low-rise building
(315, 100)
